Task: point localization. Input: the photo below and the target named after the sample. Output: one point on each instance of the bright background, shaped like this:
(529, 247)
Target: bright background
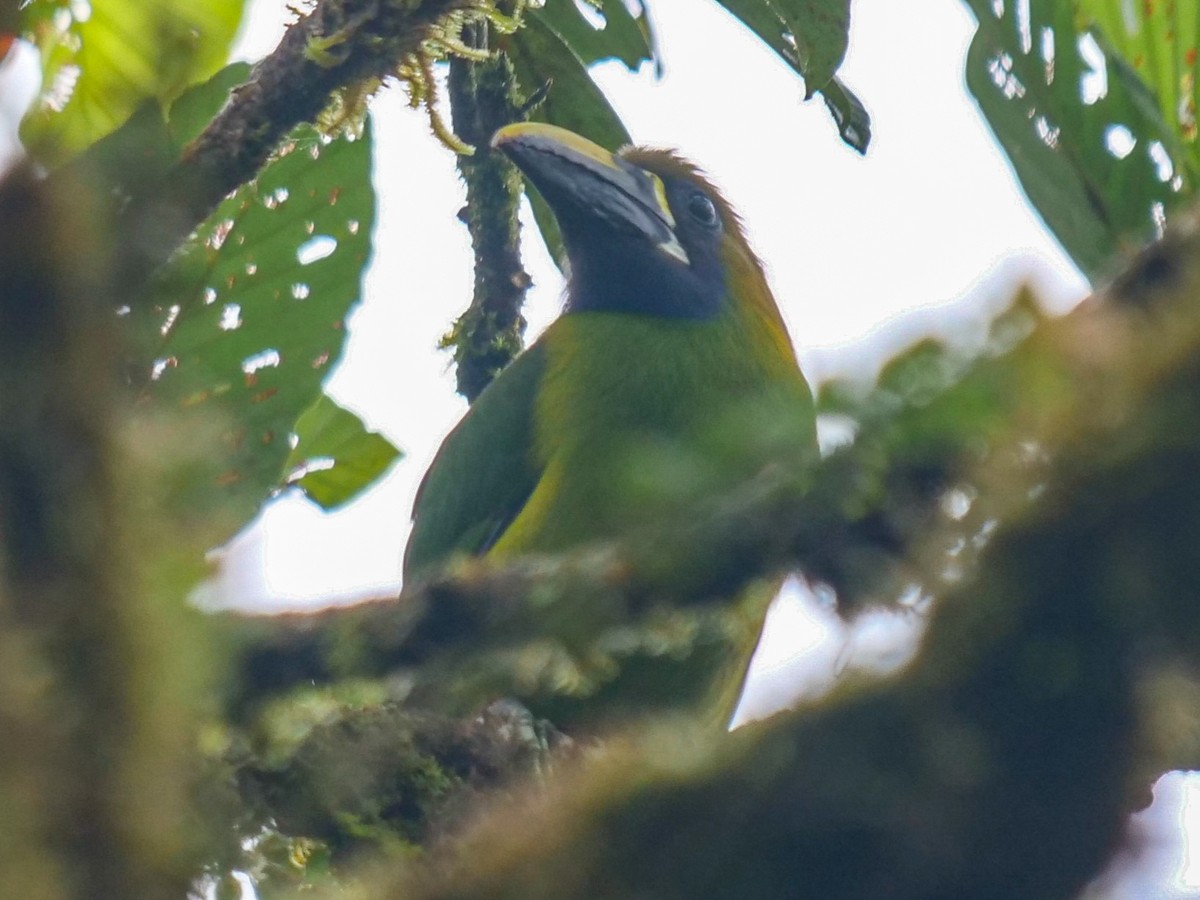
(926, 234)
(930, 225)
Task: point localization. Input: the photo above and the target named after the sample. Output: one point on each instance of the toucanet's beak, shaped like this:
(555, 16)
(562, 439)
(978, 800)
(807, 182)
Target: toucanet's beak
(580, 179)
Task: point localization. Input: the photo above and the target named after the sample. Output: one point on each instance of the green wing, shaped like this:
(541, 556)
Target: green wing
(482, 474)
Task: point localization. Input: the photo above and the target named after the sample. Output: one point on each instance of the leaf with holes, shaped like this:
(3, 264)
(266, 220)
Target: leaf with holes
(811, 36)
(101, 60)
(335, 457)
(1084, 136)
(250, 315)
(1159, 43)
(618, 35)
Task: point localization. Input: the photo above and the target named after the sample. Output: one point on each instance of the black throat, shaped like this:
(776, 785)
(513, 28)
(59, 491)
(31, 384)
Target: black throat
(632, 277)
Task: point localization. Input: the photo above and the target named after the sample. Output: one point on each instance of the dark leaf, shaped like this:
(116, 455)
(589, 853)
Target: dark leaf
(821, 31)
(539, 55)
(851, 117)
(811, 36)
(622, 35)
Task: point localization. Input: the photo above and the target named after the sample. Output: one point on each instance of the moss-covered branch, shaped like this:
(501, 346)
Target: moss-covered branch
(489, 334)
(382, 774)
(873, 520)
(1002, 764)
(1005, 760)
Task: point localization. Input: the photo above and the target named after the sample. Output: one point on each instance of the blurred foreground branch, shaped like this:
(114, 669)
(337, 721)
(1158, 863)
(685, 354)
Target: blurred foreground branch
(1005, 760)
(1002, 763)
(91, 779)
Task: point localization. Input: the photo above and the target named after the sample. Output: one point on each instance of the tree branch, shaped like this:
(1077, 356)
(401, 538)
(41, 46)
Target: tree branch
(1004, 761)
(383, 772)
(339, 44)
(91, 776)
(869, 521)
(489, 334)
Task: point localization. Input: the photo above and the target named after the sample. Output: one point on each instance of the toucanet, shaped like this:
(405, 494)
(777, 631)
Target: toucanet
(669, 377)
(669, 333)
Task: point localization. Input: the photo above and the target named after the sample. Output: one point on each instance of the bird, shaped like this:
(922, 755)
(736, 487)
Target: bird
(670, 354)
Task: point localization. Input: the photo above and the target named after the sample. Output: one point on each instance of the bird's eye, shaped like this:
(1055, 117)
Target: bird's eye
(702, 210)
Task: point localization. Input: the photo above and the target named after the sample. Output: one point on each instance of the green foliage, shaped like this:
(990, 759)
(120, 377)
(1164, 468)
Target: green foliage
(811, 37)
(102, 59)
(1158, 41)
(821, 32)
(1040, 486)
(188, 115)
(1094, 103)
(329, 454)
(624, 35)
(335, 457)
(558, 42)
(249, 319)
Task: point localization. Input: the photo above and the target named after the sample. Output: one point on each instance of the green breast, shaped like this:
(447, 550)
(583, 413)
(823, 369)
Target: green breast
(636, 414)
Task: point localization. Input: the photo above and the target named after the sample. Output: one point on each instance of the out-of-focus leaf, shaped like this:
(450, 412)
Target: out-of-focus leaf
(251, 313)
(101, 60)
(150, 142)
(335, 457)
(921, 372)
(621, 35)
(1158, 42)
(1084, 135)
(811, 36)
(197, 106)
(540, 56)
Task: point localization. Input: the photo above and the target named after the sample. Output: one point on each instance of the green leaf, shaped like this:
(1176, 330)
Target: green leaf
(249, 317)
(197, 106)
(851, 117)
(335, 457)
(821, 32)
(137, 160)
(811, 36)
(103, 59)
(539, 55)
(1158, 45)
(547, 225)
(622, 36)
(1096, 163)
